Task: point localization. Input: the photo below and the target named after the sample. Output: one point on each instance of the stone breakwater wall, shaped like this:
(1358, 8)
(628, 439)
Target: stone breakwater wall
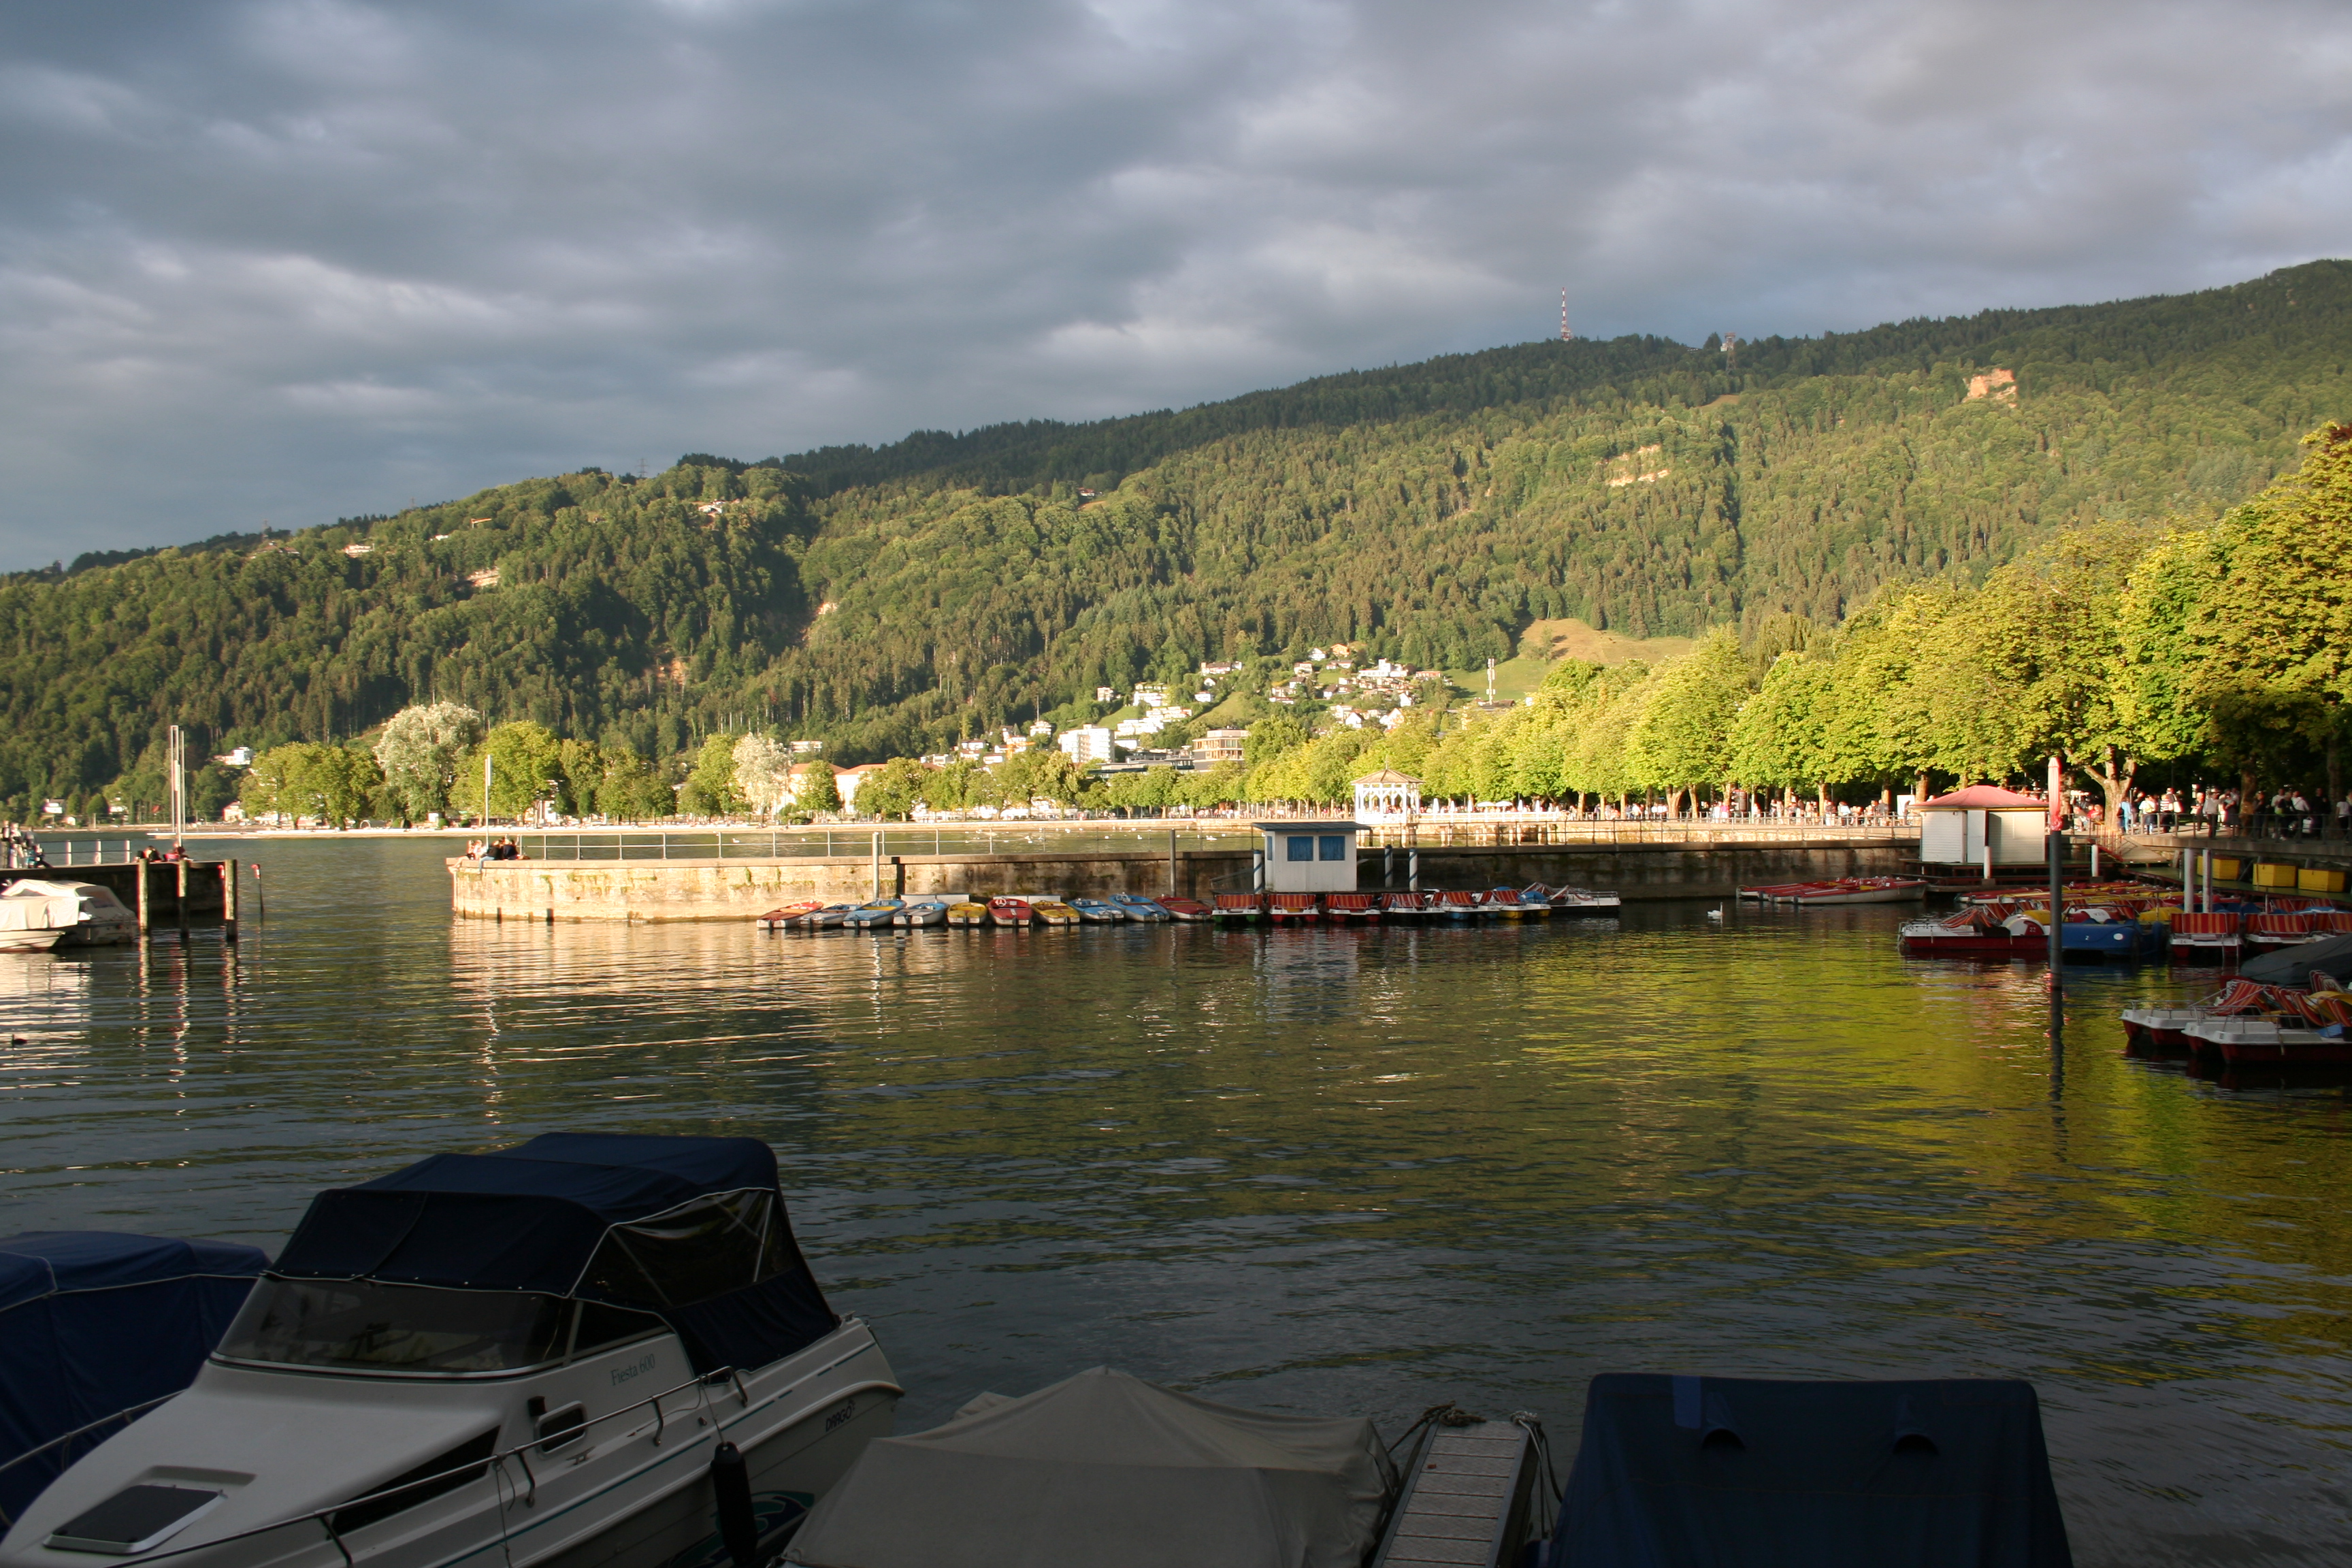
(740, 889)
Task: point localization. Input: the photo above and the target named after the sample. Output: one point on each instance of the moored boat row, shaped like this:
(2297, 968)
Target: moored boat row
(964, 911)
(1534, 901)
(1458, 904)
(2249, 1023)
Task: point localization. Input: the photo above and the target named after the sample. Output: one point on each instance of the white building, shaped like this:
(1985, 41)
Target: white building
(1957, 829)
(1086, 743)
(1310, 857)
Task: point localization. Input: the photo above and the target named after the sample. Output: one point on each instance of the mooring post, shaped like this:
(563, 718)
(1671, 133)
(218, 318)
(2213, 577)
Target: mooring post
(2055, 842)
(1175, 887)
(180, 896)
(260, 899)
(878, 863)
(228, 900)
(1413, 870)
(1388, 867)
(1258, 870)
(143, 901)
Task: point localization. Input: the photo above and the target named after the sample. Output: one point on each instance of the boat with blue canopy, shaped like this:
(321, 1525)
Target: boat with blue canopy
(566, 1353)
(100, 1326)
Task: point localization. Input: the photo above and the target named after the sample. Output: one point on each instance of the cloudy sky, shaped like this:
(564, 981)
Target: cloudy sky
(289, 259)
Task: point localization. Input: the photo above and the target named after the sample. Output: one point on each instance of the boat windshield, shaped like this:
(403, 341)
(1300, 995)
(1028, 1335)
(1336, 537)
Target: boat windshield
(366, 1325)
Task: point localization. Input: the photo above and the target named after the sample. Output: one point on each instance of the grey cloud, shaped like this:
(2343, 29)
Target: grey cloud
(288, 258)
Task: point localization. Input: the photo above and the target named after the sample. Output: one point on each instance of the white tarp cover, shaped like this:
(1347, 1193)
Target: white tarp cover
(1105, 1470)
(29, 905)
(32, 904)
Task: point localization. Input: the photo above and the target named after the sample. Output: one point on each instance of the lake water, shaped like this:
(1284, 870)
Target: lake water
(1326, 1170)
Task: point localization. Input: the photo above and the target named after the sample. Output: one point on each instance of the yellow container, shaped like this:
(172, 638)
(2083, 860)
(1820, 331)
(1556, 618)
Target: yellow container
(2274, 874)
(2227, 870)
(2320, 880)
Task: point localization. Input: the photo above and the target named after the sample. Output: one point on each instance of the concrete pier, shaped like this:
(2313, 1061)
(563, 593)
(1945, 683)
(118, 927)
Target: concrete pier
(740, 889)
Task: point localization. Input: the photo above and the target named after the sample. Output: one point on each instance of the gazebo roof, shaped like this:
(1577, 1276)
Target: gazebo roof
(1388, 776)
(1982, 797)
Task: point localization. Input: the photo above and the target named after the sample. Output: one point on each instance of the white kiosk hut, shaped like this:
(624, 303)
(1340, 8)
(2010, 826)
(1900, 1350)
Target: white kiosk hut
(1310, 857)
(1387, 795)
(1983, 824)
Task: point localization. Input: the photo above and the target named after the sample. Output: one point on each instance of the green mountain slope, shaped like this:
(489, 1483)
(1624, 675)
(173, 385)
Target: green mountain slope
(895, 599)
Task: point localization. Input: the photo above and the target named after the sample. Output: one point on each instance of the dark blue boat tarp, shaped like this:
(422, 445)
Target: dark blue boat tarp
(536, 1216)
(1692, 1472)
(93, 1322)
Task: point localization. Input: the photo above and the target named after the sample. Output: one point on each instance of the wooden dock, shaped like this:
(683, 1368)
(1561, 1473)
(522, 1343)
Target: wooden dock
(161, 892)
(1465, 1503)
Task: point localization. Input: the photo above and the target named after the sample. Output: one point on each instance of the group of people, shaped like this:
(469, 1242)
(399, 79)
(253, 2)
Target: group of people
(494, 850)
(2285, 813)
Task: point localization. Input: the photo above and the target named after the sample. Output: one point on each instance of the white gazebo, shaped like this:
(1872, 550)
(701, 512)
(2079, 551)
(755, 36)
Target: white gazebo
(1387, 795)
(1965, 826)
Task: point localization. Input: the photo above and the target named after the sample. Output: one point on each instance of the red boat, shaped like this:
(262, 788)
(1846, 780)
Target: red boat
(2167, 1028)
(1010, 912)
(1285, 907)
(2308, 1029)
(2203, 937)
(2269, 933)
(1456, 904)
(1404, 906)
(1191, 912)
(1240, 906)
(783, 915)
(1352, 906)
(1844, 890)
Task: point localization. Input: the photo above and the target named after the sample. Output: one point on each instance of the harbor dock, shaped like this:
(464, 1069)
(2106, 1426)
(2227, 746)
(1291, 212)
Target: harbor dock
(1693, 865)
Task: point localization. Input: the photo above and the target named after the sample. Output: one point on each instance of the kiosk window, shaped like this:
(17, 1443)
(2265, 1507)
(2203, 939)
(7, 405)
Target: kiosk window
(1335, 847)
(1300, 848)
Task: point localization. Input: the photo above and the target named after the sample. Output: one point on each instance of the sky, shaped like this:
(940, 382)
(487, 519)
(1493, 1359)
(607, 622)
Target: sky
(285, 260)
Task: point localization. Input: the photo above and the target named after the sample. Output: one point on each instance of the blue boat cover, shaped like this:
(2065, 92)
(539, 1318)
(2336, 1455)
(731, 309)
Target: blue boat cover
(96, 1321)
(533, 1218)
(1689, 1472)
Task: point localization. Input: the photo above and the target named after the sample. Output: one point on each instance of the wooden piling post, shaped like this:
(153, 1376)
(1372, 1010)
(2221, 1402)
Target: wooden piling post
(143, 901)
(180, 894)
(1173, 888)
(260, 899)
(228, 900)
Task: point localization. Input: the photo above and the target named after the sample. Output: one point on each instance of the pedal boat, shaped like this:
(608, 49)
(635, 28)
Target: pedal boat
(930, 910)
(1053, 912)
(881, 912)
(1097, 912)
(541, 1355)
(967, 913)
(1191, 912)
(1136, 907)
(1010, 912)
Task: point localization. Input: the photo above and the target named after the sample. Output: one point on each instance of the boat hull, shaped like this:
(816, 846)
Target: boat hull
(636, 1495)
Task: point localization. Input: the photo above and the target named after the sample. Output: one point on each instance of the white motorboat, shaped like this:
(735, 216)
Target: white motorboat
(560, 1354)
(84, 914)
(925, 909)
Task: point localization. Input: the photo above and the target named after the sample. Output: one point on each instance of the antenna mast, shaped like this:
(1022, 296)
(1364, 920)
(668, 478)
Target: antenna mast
(1566, 336)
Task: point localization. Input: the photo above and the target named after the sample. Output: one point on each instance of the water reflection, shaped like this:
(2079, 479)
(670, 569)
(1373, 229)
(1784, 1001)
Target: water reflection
(1320, 1169)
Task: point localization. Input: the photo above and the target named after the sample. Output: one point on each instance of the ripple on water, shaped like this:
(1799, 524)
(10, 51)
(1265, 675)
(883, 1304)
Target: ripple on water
(1322, 1170)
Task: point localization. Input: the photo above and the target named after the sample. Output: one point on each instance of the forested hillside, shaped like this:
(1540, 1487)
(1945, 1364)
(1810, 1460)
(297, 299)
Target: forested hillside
(894, 599)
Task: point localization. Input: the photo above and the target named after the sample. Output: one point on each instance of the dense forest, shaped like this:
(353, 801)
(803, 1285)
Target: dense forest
(893, 600)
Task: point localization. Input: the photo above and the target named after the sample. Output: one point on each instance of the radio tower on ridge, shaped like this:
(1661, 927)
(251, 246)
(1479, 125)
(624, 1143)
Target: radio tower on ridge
(1565, 335)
